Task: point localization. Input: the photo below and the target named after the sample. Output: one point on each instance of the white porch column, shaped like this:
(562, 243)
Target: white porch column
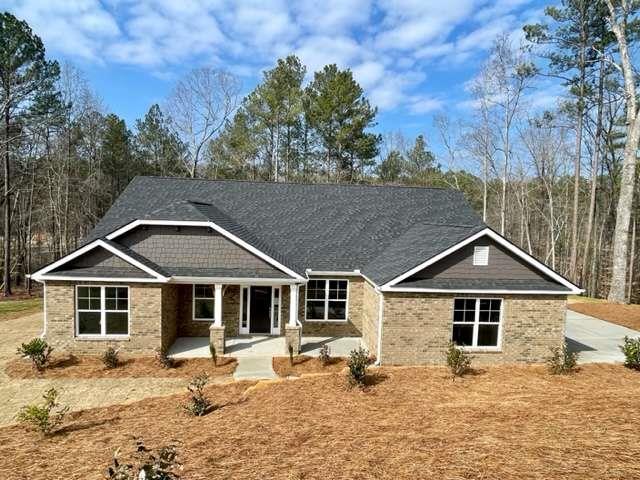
(217, 305)
(293, 305)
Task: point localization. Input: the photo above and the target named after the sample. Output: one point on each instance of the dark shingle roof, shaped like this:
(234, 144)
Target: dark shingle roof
(381, 230)
(486, 284)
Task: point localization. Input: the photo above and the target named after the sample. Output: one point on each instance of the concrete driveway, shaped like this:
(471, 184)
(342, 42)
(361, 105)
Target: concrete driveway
(596, 341)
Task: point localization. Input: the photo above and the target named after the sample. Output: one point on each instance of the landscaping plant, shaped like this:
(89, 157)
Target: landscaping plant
(325, 355)
(357, 363)
(198, 403)
(631, 351)
(45, 418)
(110, 358)
(458, 361)
(164, 360)
(214, 354)
(562, 360)
(150, 466)
(38, 350)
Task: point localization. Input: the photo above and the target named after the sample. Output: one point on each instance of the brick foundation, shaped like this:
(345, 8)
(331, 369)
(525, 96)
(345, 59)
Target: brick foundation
(293, 338)
(217, 338)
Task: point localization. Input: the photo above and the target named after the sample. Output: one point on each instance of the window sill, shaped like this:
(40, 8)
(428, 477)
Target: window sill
(204, 320)
(325, 321)
(482, 349)
(103, 338)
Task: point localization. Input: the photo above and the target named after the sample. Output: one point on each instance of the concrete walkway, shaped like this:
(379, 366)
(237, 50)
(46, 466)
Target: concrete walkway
(594, 339)
(254, 368)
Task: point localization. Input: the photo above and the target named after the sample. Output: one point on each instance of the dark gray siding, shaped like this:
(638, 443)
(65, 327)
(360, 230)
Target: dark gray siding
(100, 262)
(503, 265)
(195, 251)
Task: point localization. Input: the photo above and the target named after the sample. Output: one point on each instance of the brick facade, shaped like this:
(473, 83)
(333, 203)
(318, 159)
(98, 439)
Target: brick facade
(145, 314)
(370, 317)
(188, 327)
(417, 328)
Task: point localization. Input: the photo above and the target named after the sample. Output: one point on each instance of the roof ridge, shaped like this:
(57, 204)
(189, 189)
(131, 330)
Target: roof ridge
(320, 184)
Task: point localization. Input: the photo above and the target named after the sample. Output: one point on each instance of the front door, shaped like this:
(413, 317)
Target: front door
(260, 310)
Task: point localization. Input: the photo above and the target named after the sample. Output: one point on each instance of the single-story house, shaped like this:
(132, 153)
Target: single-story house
(406, 269)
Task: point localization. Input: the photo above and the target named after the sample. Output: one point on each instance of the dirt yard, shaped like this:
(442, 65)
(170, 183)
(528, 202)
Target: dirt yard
(71, 366)
(502, 422)
(625, 315)
(304, 364)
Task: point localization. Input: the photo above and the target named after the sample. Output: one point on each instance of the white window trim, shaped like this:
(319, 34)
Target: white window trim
(276, 330)
(476, 324)
(326, 302)
(245, 291)
(193, 304)
(103, 314)
(479, 251)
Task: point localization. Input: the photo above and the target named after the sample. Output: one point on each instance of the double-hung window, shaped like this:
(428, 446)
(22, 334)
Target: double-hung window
(102, 311)
(476, 322)
(203, 302)
(327, 300)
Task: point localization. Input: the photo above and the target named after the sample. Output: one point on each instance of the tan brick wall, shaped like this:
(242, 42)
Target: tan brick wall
(187, 327)
(145, 307)
(351, 328)
(169, 325)
(370, 310)
(417, 328)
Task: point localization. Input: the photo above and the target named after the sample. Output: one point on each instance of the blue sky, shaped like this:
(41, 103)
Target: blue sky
(413, 57)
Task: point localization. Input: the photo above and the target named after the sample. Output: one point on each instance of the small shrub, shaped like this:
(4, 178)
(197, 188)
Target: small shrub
(198, 403)
(458, 361)
(159, 466)
(325, 355)
(357, 363)
(562, 360)
(110, 358)
(45, 418)
(164, 360)
(290, 355)
(38, 351)
(631, 351)
(214, 354)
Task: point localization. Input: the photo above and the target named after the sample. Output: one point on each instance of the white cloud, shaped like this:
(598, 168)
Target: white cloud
(419, 105)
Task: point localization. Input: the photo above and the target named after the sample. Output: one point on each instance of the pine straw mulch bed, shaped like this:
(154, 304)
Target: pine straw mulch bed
(71, 366)
(625, 315)
(303, 364)
(503, 423)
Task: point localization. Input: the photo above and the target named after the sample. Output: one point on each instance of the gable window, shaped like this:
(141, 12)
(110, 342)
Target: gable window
(102, 310)
(326, 300)
(481, 256)
(203, 302)
(476, 322)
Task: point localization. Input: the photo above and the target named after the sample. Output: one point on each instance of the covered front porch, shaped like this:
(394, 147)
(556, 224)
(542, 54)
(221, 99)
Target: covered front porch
(262, 345)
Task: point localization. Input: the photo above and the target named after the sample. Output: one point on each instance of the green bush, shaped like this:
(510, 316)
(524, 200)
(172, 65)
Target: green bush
(110, 358)
(631, 350)
(458, 361)
(38, 350)
(357, 363)
(164, 360)
(562, 360)
(214, 354)
(45, 418)
(325, 355)
(149, 466)
(198, 403)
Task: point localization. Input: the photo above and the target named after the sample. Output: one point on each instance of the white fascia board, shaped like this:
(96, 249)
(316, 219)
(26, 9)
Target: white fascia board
(77, 278)
(217, 228)
(474, 291)
(498, 239)
(40, 274)
(235, 280)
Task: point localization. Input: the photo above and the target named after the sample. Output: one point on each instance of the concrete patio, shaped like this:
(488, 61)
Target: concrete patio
(262, 346)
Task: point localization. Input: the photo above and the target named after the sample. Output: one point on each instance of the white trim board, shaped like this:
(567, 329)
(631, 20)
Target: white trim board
(40, 274)
(574, 289)
(214, 226)
(474, 291)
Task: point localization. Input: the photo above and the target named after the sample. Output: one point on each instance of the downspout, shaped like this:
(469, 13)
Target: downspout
(380, 319)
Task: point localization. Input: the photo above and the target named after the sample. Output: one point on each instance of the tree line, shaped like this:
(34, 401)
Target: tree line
(557, 179)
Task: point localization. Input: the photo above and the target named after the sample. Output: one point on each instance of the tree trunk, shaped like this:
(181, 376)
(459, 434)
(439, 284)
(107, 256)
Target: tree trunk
(7, 206)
